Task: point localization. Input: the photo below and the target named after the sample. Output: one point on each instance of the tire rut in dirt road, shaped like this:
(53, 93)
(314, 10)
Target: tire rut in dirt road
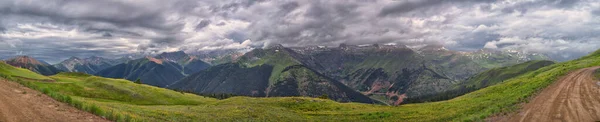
(573, 98)
(21, 104)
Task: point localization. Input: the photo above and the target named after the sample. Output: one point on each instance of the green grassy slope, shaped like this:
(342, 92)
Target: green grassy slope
(498, 75)
(118, 90)
(503, 97)
(484, 79)
(8, 70)
(278, 57)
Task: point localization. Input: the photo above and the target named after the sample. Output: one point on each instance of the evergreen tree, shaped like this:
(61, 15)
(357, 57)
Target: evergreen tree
(138, 81)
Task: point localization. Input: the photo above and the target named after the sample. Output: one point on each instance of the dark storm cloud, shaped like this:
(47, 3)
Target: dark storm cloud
(596, 12)
(202, 24)
(476, 40)
(74, 11)
(109, 31)
(288, 7)
(523, 6)
(106, 35)
(171, 40)
(237, 36)
(410, 5)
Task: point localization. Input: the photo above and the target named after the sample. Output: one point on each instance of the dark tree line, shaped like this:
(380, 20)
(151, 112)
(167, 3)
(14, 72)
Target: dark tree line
(219, 96)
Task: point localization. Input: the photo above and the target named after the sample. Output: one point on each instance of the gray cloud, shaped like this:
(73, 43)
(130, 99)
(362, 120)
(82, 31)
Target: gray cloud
(56, 28)
(596, 12)
(523, 6)
(410, 5)
(106, 35)
(202, 24)
(83, 11)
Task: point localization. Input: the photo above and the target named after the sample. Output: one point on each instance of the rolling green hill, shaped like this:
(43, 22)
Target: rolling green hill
(498, 75)
(484, 79)
(7, 70)
(475, 106)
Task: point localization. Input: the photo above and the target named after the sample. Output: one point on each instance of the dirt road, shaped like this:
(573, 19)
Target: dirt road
(573, 98)
(21, 104)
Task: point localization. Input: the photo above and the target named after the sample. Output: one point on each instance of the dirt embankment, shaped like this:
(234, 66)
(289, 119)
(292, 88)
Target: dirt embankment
(21, 104)
(573, 98)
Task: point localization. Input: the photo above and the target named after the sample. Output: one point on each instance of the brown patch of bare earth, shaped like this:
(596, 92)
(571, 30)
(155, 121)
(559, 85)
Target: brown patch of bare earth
(573, 98)
(157, 61)
(21, 104)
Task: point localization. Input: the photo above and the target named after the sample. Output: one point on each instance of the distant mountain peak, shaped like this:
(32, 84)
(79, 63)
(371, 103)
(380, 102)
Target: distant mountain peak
(25, 60)
(73, 58)
(275, 46)
(33, 65)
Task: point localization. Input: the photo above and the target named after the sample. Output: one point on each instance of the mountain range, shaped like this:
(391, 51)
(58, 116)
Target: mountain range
(161, 70)
(375, 73)
(388, 73)
(88, 65)
(272, 72)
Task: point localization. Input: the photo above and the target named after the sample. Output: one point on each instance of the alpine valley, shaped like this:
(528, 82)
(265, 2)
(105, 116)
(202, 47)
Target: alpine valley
(379, 74)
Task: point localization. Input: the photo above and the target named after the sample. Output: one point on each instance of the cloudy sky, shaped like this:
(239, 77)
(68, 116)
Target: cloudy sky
(54, 30)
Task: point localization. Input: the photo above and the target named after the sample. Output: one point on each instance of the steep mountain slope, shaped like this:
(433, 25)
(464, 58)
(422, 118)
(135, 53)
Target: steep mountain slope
(160, 71)
(149, 70)
(385, 72)
(32, 64)
(268, 73)
(231, 78)
(88, 65)
(484, 79)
